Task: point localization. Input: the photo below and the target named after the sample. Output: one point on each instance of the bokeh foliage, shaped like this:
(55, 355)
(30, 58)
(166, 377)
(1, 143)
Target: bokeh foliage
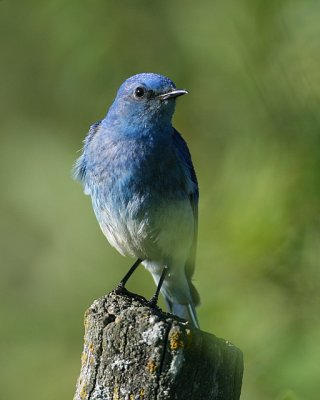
(252, 122)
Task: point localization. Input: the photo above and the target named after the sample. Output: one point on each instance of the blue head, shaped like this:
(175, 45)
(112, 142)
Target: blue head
(145, 99)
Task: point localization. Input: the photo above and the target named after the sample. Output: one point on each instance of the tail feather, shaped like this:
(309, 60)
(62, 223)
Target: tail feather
(194, 294)
(185, 311)
(180, 295)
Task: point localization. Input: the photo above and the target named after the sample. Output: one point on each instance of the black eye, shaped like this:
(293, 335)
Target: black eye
(139, 92)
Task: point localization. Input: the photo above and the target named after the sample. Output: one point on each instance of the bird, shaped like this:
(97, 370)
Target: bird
(138, 170)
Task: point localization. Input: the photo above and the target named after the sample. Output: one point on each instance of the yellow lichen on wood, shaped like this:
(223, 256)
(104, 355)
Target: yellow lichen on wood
(115, 393)
(84, 358)
(176, 341)
(151, 366)
(83, 392)
(91, 347)
(141, 393)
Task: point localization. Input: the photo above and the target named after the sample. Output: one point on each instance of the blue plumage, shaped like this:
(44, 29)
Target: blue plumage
(138, 171)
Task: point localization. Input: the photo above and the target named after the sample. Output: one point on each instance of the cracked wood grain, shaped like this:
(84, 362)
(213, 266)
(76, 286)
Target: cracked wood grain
(134, 352)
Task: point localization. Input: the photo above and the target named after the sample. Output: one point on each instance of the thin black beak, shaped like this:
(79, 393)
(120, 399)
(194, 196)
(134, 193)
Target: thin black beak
(174, 93)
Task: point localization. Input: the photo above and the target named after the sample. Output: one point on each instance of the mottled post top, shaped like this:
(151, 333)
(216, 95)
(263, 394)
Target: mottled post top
(132, 351)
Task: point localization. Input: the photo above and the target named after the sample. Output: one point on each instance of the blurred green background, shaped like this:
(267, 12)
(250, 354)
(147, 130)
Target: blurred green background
(252, 121)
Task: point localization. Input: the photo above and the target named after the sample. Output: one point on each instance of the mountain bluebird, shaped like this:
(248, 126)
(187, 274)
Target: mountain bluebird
(138, 171)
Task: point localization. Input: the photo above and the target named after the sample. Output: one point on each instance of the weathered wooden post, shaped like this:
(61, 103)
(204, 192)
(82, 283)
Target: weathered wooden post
(134, 352)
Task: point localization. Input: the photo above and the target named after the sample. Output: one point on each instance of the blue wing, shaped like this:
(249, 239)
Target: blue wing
(80, 166)
(185, 156)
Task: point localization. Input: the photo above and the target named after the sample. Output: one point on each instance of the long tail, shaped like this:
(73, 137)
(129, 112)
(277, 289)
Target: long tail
(179, 294)
(185, 311)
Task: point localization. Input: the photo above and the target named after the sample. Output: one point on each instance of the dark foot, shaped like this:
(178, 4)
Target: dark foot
(120, 289)
(153, 303)
(154, 299)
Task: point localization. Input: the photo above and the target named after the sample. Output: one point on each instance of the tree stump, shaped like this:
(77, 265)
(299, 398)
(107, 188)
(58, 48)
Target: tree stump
(132, 351)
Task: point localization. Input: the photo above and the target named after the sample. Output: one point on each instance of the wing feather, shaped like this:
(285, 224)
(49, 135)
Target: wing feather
(185, 156)
(80, 166)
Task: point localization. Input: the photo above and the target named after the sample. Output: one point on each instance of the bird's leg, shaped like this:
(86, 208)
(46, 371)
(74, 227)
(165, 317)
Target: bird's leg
(154, 299)
(125, 279)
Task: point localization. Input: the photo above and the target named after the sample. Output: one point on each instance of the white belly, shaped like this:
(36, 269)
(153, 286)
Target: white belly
(163, 235)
